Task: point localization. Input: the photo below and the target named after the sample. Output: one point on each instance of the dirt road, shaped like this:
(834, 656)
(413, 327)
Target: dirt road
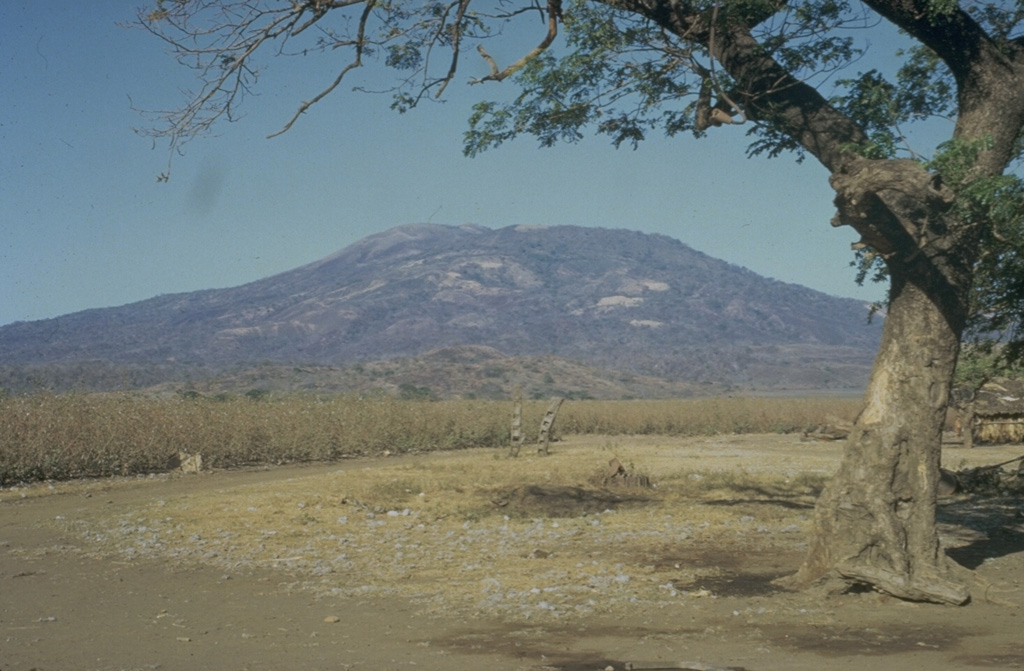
(72, 597)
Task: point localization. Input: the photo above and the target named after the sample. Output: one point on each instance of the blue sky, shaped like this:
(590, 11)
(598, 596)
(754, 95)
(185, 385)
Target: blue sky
(84, 222)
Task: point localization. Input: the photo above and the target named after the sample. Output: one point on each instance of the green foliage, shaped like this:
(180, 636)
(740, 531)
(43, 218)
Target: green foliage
(626, 78)
(925, 85)
(410, 392)
(405, 56)
(994, 205)
(997, 301)
(614, 76)
(999, 19)
(257, 394)
(938, 9)
(922, 89)
(983, 361)
(873, 103)
(956, 159)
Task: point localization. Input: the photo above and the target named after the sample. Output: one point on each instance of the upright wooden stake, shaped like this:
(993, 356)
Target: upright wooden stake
(517, 423)
(547, 423)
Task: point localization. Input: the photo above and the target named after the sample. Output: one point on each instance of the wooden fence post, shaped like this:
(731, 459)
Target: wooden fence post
(547, 423)
(517, 423)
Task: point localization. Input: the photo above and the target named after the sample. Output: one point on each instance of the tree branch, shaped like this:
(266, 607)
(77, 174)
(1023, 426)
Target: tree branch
(360, 45)
(954, 36)
(770, 93)
(456, 36)
(554, 14)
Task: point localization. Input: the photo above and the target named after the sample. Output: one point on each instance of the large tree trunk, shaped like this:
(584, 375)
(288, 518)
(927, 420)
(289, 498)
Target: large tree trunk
(875, 521)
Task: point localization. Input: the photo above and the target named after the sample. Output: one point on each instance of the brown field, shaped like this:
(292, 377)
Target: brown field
(467, 559)
(59, 437)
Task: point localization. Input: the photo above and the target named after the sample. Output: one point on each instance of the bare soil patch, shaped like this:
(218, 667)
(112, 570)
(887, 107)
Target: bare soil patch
(470, 560)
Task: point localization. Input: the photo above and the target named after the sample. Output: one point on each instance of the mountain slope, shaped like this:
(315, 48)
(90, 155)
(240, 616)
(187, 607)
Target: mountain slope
(612, 298)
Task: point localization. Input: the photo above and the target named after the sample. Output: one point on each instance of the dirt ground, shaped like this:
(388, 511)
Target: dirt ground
(469, 560)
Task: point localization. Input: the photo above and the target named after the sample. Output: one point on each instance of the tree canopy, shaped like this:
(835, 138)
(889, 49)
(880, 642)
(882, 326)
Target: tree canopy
(625, 69)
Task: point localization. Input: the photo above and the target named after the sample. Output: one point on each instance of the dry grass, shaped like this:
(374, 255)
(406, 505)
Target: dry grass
(704, 417)
(445, 529)
(67, 436)
(996, 431)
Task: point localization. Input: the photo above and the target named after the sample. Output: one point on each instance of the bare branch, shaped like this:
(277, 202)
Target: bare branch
(554, 14)
(495, 71)
(456, 35)
(223, 63)
(360, 44)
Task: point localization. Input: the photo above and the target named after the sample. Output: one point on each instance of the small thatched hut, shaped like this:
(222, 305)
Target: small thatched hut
(995, 414)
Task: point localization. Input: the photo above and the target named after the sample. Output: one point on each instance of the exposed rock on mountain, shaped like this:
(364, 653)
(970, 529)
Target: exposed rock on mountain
(628, 301)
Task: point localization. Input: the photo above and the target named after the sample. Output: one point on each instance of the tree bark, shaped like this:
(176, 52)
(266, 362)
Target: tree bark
(875, 521)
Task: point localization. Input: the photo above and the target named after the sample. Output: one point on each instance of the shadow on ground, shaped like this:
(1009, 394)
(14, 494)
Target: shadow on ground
(846, 641)
(988, 528)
